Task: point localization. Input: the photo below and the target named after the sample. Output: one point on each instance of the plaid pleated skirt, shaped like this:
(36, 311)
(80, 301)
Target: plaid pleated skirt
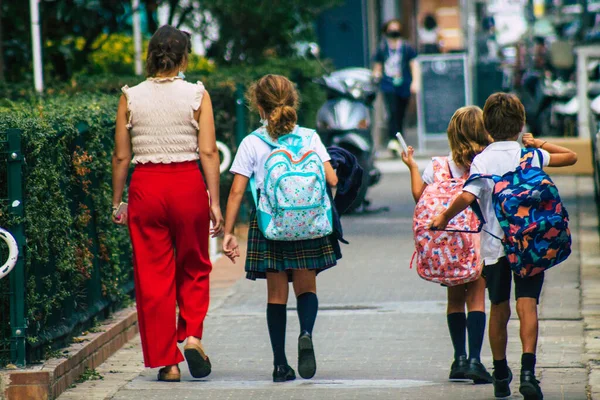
(266, 255)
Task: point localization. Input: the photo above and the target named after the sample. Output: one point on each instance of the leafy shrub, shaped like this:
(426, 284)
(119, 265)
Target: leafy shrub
(75, 257)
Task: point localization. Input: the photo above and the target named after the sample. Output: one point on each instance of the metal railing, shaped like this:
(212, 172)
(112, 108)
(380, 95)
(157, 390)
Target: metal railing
(12, 289)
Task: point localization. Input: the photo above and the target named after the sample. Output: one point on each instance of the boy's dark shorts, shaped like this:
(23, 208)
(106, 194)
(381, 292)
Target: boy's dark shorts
(498, 279)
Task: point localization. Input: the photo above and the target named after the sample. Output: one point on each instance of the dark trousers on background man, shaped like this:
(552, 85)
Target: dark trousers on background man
(396, 108)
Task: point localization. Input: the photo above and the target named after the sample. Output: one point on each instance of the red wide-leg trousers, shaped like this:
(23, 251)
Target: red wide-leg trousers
(169, 219)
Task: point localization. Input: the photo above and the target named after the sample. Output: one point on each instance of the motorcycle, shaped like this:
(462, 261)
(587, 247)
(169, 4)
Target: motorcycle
(345, 121)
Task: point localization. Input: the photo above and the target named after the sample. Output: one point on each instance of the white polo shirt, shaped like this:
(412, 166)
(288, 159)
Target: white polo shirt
(429, 174)
(497, 159)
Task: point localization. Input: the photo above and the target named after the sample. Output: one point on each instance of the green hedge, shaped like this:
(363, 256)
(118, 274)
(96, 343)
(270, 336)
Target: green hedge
(67, 141)
(67, 197)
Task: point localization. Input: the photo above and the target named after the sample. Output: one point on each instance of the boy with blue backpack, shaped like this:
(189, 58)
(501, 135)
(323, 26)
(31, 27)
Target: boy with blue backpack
(526, 230)
(289, 239)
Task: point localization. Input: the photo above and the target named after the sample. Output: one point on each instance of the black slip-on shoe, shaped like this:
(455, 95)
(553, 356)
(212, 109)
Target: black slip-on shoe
(307, 365)
(477, 372)
(283, 373)
(502, 386)
(198, 361)
(530, 387)
(459, 368)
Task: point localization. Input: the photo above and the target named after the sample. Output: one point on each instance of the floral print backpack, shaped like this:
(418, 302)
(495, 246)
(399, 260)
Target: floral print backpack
(293, 204)
(449, 257)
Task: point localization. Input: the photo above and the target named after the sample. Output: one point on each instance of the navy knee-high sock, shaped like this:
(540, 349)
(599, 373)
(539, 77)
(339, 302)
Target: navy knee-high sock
(457, 325)
(476, 330)
(276, 321)
(308, 305)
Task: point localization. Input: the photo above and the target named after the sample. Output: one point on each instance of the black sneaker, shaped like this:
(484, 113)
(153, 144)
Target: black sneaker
(283, 373)
(477, 372)
(502, 386)
(307, 365)
(530, 387)
(459, 368)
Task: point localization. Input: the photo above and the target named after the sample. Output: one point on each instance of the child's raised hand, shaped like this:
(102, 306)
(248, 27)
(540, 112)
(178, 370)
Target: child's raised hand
(408, 158)
(528, 140)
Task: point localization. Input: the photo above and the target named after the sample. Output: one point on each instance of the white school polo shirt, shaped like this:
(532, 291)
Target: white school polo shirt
(253, 153)
(497, 159)
(429, 174)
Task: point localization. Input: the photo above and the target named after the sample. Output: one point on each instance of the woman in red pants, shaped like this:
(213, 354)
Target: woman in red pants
(167, 124)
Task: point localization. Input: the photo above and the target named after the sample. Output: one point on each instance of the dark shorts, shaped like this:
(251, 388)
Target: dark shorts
(498, 278)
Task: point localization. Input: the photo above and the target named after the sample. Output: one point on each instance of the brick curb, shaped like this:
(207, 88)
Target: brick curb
(49, 380)
(589, 248)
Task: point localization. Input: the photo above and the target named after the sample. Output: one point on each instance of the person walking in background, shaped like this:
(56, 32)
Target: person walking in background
(467, 138)
(429, 36)
(167, 124)
(281, 261)
(395, 67)
(504, 118)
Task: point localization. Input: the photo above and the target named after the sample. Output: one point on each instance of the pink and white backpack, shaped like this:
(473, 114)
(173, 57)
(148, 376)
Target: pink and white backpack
(449, 257)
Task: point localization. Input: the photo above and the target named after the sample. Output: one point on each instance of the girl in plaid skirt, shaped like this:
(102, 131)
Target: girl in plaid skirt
(279, 262)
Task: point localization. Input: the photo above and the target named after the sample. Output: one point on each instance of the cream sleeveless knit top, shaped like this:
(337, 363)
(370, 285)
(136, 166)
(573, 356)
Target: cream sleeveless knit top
(161, 120)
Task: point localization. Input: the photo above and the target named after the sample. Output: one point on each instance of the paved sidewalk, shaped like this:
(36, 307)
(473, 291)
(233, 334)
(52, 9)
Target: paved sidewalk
(381, 331)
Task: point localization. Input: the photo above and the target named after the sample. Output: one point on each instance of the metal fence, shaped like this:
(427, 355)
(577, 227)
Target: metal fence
(12, 287)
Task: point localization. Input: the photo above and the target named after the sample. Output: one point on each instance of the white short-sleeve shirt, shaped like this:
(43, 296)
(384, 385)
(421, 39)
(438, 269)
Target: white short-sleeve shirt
(428, 174)
(253, 153)
(498, 158)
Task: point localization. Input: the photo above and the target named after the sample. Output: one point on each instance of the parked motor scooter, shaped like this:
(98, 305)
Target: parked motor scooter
(345, 121)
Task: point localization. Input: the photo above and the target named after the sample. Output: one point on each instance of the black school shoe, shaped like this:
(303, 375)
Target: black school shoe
(307, 365)
(459, 368)
(502, 386)
(283, 373)
(477, 372)
(530, 387)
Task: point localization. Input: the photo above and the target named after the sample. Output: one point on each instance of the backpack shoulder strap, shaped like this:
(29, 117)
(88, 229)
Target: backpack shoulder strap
(527, 157)
(254, 190)
(441, 169)
(264, 136)
(474, 177)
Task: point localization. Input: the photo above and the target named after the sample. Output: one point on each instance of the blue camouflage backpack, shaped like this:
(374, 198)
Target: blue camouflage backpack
(293, 204)
(532, 216)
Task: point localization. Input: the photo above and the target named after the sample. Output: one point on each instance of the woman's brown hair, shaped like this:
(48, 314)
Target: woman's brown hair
(168, 49)
(467, 135)
(278, 98)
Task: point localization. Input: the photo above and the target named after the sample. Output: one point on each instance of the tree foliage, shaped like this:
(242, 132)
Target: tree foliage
(250, 30)
(234, 31)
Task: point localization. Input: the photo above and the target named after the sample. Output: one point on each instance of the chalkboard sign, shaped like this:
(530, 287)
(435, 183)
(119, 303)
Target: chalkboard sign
(444, 89)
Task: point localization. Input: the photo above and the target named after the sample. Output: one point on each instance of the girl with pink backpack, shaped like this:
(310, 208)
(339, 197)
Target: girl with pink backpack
(451, 257)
